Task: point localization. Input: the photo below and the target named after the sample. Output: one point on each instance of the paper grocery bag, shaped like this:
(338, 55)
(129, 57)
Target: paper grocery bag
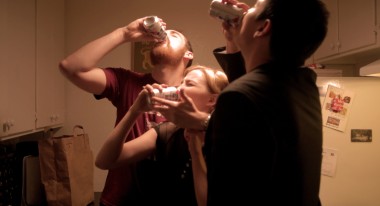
(67, 171)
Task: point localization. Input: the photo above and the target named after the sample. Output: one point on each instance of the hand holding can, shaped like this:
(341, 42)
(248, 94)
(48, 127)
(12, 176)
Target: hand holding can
(226, 12)
(153, 25)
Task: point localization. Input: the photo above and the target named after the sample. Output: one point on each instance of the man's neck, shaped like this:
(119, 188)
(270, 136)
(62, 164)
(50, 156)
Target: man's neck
(171, 76)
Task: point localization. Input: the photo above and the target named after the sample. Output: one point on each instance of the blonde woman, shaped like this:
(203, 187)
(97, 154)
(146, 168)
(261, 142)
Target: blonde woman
(166, 143)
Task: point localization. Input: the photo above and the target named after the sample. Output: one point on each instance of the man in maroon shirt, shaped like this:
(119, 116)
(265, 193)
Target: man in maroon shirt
(130, 184)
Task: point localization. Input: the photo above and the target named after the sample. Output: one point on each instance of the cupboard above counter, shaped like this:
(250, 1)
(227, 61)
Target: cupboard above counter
(32, 89)
(352, 32)
(17, 66)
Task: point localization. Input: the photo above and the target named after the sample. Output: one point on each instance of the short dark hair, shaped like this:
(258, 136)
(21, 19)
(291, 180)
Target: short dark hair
(298, 28)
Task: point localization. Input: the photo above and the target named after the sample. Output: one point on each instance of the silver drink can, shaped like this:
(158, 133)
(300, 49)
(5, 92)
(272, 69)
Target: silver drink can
(169, 93)
(226, 12)
(153, 25)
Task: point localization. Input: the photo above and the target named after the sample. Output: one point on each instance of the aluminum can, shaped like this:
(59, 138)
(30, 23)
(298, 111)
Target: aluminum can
(169, 93)
(153, 25)
(226, 12)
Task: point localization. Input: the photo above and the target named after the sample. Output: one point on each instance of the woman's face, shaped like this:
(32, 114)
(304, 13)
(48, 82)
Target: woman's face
(195, 86)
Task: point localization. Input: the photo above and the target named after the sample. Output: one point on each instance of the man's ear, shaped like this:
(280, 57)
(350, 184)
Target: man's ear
(264, 28)
(189, 55)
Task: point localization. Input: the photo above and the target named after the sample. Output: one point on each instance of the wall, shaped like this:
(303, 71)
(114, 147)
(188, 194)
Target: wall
(88, 20)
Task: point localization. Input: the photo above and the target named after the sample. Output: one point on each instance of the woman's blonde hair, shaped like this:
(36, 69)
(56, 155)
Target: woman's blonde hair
(216, 79)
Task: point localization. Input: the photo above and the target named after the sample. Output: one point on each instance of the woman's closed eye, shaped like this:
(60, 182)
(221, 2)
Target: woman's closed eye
(189, 83)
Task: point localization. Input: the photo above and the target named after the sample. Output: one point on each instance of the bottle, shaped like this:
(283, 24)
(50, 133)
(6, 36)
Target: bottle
(153, 25)
(226, 12)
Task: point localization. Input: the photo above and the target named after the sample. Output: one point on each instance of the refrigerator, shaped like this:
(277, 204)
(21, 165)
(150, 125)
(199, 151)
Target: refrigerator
(351, 145)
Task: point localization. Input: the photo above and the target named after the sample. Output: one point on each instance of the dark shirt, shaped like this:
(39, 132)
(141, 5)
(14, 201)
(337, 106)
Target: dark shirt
(264, 140)
(174, 179)
(232, 64)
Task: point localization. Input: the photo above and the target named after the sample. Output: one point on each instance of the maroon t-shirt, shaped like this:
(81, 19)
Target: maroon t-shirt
(122, 186)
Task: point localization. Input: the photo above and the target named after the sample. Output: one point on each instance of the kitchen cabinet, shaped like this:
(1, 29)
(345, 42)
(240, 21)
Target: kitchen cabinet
(352, 26)
(50, 101)
(17, 66)
(32, 43)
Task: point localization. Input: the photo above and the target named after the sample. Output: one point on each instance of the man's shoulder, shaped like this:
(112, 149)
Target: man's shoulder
(120, 70)
(248, 81)
(122, 73)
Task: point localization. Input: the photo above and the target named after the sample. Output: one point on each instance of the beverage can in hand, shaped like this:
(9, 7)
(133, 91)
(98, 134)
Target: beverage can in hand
(153, 25)
(226, 12)
(169, 93)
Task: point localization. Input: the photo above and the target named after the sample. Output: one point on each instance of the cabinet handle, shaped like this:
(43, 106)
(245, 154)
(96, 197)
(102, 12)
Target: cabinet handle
(338, 45)
(54, 118)
(8, 124)
(11, 123)
(332, 46)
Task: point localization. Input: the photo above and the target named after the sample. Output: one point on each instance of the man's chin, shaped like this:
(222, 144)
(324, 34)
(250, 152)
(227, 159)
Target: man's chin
(159, 43)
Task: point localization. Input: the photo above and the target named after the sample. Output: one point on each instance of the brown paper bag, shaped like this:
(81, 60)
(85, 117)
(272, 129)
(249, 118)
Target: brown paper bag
(67, 171)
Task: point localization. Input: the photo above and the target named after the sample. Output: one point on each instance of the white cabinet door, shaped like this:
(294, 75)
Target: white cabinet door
(50, 91)
(357, 24)
(352, 26)
(331, 42)
(377, 16)
(17, 66)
